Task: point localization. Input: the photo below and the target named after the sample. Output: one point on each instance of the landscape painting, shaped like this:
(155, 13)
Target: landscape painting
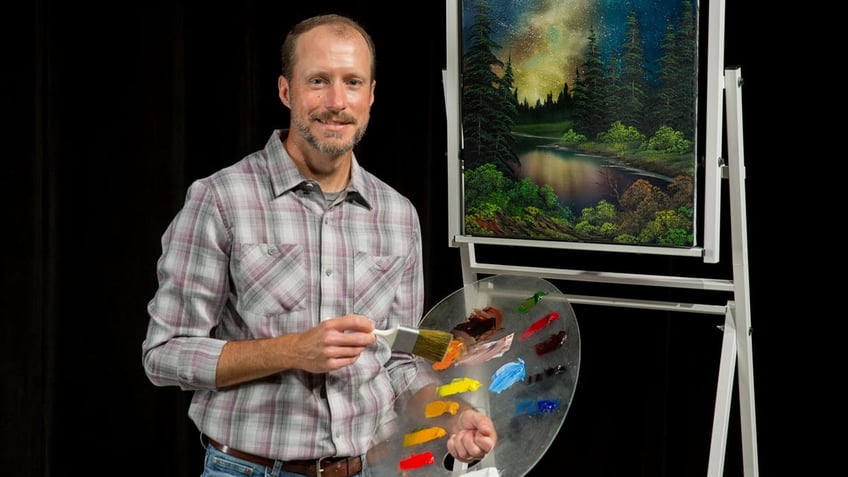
(579, 120)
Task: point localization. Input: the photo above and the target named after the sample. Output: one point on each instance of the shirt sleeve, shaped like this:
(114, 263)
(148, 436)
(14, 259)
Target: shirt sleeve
(192, 273)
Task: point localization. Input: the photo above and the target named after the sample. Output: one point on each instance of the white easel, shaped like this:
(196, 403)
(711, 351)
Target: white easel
(736, 353)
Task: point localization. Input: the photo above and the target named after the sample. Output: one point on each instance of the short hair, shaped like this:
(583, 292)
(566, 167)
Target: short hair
(343, 25)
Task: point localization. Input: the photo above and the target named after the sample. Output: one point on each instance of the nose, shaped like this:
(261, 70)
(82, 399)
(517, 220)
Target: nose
(335, 98)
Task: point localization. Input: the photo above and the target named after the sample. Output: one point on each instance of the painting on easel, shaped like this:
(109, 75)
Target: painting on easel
(579, 120)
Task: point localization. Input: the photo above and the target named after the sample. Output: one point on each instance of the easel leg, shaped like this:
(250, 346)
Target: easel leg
(741, 309)
(746, 399)
(721, 418)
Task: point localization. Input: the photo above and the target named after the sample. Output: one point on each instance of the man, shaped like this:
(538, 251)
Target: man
(276, 271)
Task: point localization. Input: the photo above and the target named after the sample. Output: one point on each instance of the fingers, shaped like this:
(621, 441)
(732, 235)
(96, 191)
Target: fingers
(347, 330)
(475, 438)
(464, 446)
(478, 422)
(350, 323)
(335, 343)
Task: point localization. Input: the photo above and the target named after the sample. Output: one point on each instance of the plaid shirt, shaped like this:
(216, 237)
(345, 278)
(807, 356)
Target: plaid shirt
(256, 252)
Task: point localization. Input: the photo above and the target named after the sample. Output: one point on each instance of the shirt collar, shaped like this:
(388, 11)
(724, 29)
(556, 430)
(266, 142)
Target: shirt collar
(285, 176)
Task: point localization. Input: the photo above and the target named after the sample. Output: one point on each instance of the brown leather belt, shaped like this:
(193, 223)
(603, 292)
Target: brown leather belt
(323, 467)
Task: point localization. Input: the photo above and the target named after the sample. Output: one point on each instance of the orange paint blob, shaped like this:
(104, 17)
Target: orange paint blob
(423, 435)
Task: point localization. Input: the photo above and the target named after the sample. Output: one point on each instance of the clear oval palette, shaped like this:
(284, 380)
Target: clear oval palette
(515, 356)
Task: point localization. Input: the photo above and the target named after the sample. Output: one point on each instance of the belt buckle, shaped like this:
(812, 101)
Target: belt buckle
(318, 468)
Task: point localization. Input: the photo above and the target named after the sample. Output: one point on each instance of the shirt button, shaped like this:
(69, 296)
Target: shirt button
(273, 250)
(328, 272)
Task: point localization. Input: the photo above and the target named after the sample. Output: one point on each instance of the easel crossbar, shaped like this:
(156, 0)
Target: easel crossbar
(694, 283)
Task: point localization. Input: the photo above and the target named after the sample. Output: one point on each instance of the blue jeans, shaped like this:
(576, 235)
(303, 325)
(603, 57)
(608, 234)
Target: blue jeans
(218, 464)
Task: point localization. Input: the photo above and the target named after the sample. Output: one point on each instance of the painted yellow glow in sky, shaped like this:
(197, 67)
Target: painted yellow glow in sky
(547, 47)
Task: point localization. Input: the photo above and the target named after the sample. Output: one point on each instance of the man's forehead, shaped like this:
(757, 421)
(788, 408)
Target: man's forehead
(332, 47)
(338, 31)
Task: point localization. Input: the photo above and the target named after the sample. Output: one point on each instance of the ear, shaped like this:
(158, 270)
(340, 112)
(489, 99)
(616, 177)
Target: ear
(373, 87)
(284, 91)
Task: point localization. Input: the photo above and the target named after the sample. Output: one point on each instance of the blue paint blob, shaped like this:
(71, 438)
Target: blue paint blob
(507, 375)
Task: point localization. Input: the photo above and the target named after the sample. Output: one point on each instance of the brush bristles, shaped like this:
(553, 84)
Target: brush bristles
(432, 344)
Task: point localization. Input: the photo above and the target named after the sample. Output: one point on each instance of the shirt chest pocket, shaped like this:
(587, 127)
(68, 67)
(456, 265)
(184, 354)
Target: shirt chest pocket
(269, 278)
(376, 280)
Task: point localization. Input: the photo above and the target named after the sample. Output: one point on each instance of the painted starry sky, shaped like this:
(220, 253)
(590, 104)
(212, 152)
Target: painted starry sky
(546, 39)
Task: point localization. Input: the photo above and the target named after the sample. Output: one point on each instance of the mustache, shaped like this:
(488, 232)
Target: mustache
(334, 117)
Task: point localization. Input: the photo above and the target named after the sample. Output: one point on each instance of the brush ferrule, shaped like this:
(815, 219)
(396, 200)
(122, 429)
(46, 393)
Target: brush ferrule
(405, 339)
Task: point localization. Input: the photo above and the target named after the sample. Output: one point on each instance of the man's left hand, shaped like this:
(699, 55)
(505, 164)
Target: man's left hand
(474, 437)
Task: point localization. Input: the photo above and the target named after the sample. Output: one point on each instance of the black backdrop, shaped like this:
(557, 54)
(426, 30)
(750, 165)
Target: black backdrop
(115, 108)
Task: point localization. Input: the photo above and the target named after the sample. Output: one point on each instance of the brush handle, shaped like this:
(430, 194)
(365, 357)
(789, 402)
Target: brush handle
(389, 334)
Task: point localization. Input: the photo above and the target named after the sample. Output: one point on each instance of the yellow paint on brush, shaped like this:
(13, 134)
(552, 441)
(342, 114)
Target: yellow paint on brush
(423, 435)
(437, 408)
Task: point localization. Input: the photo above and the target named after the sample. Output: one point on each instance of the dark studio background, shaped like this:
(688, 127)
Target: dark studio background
(117, 107)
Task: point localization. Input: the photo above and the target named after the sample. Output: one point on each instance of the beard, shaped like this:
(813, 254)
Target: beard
(322, 146)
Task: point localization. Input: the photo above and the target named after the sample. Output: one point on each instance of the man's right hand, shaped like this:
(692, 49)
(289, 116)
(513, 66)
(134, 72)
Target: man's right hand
(332, 344)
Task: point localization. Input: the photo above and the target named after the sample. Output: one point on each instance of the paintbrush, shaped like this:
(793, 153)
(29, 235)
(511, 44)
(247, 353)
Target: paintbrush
(429, 344)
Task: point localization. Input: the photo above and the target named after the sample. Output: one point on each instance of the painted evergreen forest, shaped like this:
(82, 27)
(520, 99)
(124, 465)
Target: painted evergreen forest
(612, 81)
